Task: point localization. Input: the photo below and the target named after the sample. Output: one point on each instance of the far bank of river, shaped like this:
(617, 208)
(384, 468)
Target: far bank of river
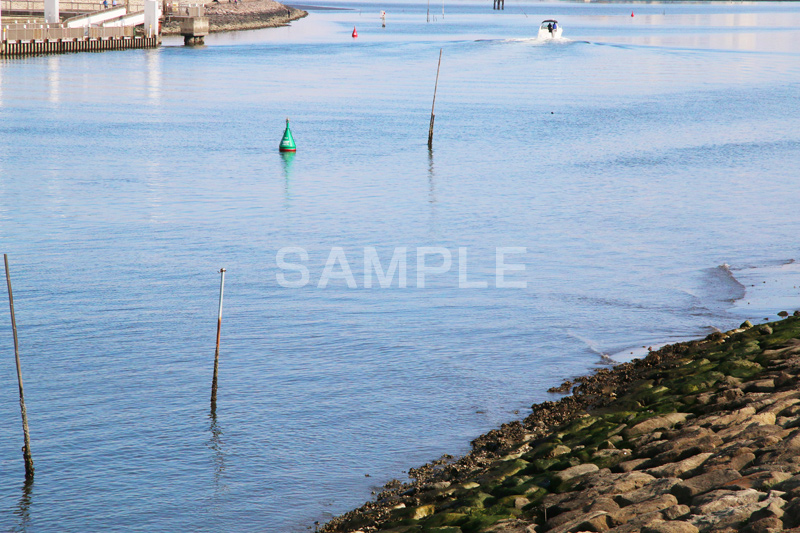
(243, 15)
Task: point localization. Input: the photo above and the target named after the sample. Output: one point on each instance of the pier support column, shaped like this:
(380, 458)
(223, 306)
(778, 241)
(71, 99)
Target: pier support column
(2, 33)
(151, 16)
(51, 12)
(194, 30)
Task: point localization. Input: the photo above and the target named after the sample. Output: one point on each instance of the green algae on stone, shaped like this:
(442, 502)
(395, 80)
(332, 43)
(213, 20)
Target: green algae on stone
(513, 485)
(401, 529)
(477, 523)
(741, 368)
(446, 519)
(505, 469)
(544, 450)
(475, 499)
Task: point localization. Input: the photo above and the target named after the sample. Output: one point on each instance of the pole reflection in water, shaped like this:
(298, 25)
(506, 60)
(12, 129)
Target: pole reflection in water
(288, 158)
(432, 189)
(23, 507)
(154, 75)
(215, 444)
(54, 78)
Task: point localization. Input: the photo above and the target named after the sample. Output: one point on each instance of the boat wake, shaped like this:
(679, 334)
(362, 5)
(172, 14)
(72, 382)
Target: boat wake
(752, 292)
(529, 40)
(721, 283)
(725, 295)
(537, 40)
(605, 358)
(768, 288)
(619, 354)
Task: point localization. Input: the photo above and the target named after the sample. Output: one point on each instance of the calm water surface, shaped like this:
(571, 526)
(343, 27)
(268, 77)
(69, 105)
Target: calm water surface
(648, 165)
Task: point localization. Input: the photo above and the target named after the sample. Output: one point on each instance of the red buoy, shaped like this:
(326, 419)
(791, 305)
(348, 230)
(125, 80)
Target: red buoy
(355, 33)
(631, 13)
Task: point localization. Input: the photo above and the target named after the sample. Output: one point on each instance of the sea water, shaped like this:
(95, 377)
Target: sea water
(642, 170)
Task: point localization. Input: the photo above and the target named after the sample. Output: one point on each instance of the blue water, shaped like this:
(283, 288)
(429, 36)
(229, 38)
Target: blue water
(647, 165)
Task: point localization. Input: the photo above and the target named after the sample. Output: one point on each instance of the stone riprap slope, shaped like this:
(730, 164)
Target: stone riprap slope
(698, 436)
(243, 15)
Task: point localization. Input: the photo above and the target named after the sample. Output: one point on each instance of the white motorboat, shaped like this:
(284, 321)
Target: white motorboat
(550, 29)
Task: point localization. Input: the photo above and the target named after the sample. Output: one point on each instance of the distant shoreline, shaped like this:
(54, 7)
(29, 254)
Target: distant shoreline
(309, 7)
(243, 15)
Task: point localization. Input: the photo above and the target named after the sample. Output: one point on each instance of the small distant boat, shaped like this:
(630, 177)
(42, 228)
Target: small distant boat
(550, 29)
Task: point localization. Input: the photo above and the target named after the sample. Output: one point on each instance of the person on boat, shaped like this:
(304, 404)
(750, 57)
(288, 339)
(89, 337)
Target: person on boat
(555, 26)
(550, 27)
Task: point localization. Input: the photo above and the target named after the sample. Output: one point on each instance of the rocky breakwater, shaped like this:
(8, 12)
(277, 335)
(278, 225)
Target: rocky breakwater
(242, 15)
(698, 436)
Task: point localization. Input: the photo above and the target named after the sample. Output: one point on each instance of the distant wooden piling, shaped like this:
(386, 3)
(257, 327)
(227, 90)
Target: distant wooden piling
(216, 353)
(26, 449)
(498, 4)
(433, 106)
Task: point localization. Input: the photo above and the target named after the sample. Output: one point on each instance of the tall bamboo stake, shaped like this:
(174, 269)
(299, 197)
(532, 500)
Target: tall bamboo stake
(26, 450)
(216, 354)
(433, 106)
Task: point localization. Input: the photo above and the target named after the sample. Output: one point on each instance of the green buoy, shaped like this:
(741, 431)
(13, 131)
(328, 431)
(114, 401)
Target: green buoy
(287, 143)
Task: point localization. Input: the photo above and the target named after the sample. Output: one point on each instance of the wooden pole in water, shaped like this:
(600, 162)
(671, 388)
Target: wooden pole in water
(216, 353)
(26, 450)
(433, 106)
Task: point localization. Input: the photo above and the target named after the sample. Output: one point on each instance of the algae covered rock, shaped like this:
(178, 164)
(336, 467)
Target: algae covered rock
(575, 471)
(445, 519)
(741, 368)
(652, 424)
(511, 526)
(691, 487)
(422, 512)
(671, 527)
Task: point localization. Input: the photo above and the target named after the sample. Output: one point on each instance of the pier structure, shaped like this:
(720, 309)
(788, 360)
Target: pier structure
(194, 23)
(498, 4)
(35, 27)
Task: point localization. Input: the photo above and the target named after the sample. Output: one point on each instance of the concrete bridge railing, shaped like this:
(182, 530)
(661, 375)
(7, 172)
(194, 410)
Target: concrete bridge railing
(66, 6)
(182, 10)
(131, 19)
(39, 32)
(98, 17)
